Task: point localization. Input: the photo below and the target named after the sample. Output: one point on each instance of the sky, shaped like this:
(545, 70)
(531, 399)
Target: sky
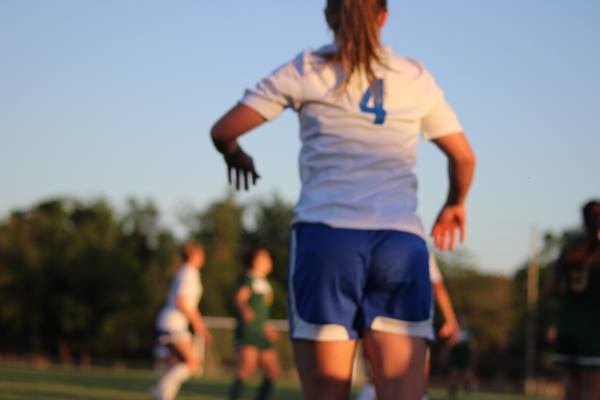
(116, 98)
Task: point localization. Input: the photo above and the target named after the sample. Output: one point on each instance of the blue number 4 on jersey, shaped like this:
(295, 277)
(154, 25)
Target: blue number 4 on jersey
(375, 91)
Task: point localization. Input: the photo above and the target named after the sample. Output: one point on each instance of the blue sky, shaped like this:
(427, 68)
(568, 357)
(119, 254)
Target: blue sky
(115, 98)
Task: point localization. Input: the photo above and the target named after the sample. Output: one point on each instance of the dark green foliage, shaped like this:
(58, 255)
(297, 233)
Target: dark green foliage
(79, 278)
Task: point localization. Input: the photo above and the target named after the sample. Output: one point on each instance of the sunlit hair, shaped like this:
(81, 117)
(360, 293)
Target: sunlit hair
(248, 255)
(356, 25)
(187, 249)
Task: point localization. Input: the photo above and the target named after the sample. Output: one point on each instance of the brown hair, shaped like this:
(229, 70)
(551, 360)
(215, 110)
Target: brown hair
(186, 250)
(355, 24)
(249, 254)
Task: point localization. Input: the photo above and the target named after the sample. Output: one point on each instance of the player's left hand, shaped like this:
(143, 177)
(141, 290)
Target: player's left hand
(450, 219)
(242, 165)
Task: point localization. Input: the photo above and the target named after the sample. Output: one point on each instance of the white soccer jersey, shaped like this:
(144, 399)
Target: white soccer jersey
(186, 283)
(358, 146)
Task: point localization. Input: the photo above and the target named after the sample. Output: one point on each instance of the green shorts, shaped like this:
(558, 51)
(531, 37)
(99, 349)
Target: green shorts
(252, 337)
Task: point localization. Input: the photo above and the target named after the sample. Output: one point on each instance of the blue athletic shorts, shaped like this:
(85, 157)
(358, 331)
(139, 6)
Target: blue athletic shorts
(343, 281)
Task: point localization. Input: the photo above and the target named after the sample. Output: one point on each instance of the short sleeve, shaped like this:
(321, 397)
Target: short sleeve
(440, 120)
(434, 270)
(246, 281)
(278, 91)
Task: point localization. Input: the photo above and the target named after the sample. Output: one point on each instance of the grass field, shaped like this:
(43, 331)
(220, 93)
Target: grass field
(25, 383)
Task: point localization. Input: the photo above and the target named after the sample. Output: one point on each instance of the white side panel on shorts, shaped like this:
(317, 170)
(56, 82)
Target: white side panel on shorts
(422, 329)
(301, 328)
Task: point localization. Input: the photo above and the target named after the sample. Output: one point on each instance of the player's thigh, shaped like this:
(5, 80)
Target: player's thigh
(325, 368)
(270, 363)
(184, 347)
(397, 363)
(248, 357)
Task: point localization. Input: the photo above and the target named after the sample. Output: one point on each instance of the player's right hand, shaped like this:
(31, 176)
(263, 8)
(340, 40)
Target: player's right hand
(248, 315)
(451, 332)
(242, 165)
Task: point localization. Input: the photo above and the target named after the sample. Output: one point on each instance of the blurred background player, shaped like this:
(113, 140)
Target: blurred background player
(461, 362)
(254, 336)
(180, 311)
(575, 279)
(358, 259)
(450, 330)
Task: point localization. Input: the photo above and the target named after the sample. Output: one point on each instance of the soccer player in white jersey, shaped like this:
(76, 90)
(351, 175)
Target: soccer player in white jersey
(180, 311)
(358, 259)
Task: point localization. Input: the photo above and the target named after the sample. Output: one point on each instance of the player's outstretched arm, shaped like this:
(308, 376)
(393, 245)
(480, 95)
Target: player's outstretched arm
(237, 121)
(461, 169)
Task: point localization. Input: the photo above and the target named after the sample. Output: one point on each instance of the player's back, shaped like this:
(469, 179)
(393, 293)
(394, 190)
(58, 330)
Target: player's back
(358, 140)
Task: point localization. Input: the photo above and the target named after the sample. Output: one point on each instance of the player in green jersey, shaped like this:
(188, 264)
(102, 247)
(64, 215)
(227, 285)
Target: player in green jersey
(576, 276)
(254, 336)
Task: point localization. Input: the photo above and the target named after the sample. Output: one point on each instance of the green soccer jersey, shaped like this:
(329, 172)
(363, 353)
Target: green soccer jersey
(578, 327)
(583, 287)
(261, 299)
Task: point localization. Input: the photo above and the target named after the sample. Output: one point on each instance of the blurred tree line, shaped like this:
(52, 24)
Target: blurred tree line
(78, 278)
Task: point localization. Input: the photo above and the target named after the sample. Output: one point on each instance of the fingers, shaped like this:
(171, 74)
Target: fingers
(245, 173)
(452, 234)
(440, 236)
(243, 178)
(444, 237)
(443, 333)
(437, 236)
(255, 177)
(246, 179)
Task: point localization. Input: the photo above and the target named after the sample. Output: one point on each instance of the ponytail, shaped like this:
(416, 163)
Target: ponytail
(356, 25)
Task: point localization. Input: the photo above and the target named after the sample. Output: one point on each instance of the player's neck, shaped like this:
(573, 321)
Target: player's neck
(257, 274)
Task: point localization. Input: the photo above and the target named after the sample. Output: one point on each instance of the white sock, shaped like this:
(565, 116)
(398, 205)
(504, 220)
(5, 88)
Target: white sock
(171, 382)
(367, 393)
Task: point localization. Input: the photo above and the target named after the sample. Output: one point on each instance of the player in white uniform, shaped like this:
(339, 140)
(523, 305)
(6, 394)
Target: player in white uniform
(180, 311)
(358, 259)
